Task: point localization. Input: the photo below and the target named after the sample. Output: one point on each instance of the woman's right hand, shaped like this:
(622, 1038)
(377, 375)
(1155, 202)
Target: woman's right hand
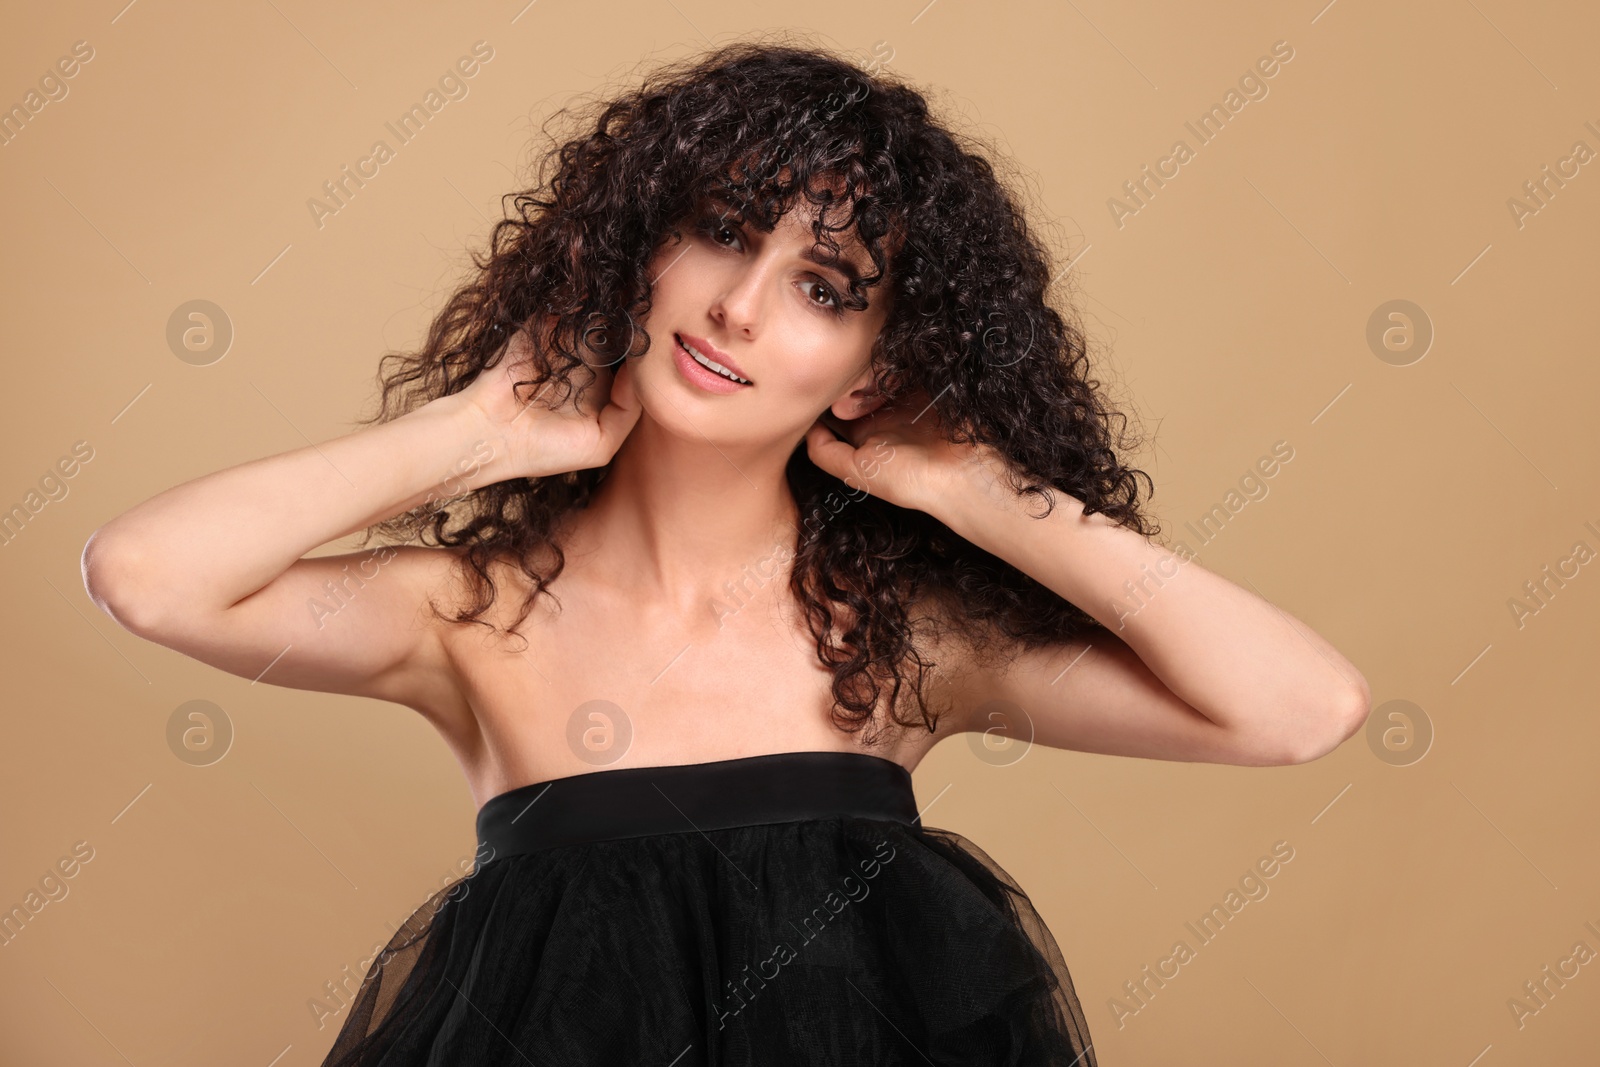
(543, 437)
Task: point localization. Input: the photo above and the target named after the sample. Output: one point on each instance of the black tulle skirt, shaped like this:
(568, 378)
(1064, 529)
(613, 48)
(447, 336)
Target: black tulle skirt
(778, 909)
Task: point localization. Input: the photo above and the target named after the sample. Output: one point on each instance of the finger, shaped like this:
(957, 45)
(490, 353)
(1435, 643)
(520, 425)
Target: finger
(618, 418)
(860, 428)
(849, 429)
(829, 453)
(623, 393)
(615, 425)
(623, 398)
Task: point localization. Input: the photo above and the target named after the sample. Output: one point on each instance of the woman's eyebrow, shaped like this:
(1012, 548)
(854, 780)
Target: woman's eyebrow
(819, 256)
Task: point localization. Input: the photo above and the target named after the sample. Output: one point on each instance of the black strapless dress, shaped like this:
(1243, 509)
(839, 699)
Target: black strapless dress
(775, 910)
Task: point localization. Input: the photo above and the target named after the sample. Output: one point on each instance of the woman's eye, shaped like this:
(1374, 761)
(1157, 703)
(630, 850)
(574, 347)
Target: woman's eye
(828, 293)
(713, 227)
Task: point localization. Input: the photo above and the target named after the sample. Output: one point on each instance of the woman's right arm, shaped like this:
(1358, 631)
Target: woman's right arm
(213, 567)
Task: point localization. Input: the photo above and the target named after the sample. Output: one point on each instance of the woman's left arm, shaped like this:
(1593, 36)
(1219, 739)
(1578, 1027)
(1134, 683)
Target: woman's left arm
(1272, 682)
(1191, 667)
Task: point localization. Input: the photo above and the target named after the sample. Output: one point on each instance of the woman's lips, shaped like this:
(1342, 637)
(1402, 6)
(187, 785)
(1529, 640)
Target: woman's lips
(701, 376)
(714, 354)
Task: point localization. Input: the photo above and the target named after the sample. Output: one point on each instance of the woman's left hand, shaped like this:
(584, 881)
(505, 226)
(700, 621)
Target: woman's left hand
(900, 453)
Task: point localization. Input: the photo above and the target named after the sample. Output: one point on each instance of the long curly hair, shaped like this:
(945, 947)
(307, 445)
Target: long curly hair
(755, 125)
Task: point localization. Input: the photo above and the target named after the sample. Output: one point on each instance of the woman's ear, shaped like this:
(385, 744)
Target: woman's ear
(862, 400)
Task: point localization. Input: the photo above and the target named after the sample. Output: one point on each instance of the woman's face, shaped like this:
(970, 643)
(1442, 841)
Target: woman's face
(760, 305)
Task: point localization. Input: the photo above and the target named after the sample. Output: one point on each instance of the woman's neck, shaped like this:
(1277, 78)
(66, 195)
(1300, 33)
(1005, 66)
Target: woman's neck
(675, 520)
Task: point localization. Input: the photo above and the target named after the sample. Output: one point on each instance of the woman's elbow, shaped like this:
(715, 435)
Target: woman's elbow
(1342, 720)
(112, 577)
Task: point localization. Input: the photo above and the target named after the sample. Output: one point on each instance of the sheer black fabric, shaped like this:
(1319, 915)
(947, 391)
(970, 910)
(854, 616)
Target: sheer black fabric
(775, 910)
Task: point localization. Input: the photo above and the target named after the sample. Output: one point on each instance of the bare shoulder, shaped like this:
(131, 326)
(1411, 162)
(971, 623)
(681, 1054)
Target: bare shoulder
(487, 602)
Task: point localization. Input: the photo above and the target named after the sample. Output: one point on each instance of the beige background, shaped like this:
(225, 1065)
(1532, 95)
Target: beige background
(1230, 312)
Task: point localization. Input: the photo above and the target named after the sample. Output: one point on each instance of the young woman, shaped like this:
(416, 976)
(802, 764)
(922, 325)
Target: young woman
(752, 463)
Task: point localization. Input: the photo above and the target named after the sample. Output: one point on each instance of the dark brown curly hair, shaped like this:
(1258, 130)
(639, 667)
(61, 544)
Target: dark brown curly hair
(754, 125)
